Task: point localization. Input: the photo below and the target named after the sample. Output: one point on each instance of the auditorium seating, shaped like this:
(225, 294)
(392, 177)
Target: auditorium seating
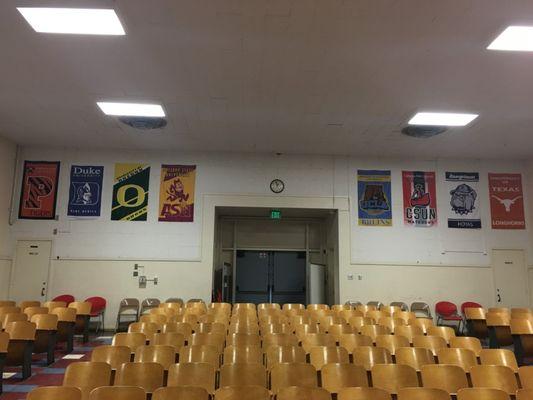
(98, 306)
(118, 393)
(447, 312)
(45, 335)
(291, 352)
(54, 393)
(66, 298)
(20, 346)
(4, 342)
(128, 311)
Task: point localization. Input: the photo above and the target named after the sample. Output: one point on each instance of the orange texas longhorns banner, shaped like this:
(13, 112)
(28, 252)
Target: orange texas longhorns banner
(176, 193)
(506, 201)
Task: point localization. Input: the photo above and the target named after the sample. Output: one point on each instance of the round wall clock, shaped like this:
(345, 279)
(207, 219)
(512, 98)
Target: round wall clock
(277, 186)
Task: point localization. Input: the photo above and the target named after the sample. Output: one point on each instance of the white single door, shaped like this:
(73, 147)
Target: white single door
(317, 284)
(510, 278)
(30, 273)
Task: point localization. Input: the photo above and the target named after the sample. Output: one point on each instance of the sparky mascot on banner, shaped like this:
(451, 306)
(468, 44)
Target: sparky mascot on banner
(176, 191)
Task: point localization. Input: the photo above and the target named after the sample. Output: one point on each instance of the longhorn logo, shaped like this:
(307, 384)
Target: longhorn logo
(507, 203)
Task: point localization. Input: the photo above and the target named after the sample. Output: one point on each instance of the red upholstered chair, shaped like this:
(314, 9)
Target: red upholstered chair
(447, 312)
(98, 309)
(469, 304)
(67, 298)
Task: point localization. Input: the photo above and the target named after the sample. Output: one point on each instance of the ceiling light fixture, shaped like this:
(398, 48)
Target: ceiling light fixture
(131, 109)
(514, 38)
(82, 21)
(442, 119)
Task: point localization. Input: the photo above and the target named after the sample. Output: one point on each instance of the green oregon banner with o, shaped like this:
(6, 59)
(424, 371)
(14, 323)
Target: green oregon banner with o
(130, 192)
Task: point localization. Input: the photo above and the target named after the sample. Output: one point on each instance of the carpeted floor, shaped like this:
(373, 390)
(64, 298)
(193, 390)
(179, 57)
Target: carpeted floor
(17, 389)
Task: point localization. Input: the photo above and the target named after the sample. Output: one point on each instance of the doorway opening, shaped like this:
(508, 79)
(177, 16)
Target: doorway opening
(270, 277)
(275, 256)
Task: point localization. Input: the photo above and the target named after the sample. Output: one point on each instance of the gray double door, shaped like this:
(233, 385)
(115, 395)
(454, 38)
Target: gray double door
(270, 277)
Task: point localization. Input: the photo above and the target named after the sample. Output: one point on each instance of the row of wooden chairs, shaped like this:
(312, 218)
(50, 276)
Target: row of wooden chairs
(332, 325)
(366, 356)
(503, 327)
(321, 317)
(307, 335)
(260, 393)
(333, 378)
(37, 330)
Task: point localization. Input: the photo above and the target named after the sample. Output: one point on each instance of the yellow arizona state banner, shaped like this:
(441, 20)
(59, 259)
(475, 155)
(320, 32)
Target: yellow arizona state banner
(130, 192)
(176, 193)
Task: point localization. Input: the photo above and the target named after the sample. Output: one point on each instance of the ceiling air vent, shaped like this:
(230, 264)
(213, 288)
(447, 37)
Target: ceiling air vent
(423, 131)
(144, 123)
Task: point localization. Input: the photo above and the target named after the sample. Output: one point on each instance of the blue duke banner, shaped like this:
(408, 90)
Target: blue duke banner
(463, 209)
(374, 198)
(85, 197)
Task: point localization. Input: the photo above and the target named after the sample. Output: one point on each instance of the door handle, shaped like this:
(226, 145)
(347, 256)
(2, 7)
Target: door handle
(42, 292)
(498, 296)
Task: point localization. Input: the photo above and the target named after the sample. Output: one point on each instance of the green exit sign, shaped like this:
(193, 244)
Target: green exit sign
(275, 214)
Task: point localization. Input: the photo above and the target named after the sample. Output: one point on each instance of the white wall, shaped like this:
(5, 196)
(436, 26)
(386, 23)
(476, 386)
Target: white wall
(398, 263)
(7, 166)
(529, 183)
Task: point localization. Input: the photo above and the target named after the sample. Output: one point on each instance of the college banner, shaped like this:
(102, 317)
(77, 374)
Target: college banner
(85, 193)
(463, 211)
(38, 195)
(176, 193)
(506, 201)
(130, 192)
(374, 197)
(419, 198)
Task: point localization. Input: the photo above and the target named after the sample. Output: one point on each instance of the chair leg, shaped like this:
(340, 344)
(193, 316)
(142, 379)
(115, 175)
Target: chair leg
(518, 350)
(493, 341)
(86, 328)
(2, 361)
(50, 355)
(70, 339)
(26, 364)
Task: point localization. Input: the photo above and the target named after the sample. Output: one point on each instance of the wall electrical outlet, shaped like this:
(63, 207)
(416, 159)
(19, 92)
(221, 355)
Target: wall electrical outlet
(359, 277)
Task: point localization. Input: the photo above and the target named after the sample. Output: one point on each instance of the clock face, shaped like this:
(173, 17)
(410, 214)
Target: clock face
(277, 186)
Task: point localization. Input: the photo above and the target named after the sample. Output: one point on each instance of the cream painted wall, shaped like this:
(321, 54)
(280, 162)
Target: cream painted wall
(7, 166)
(529, 184)
(399, 263)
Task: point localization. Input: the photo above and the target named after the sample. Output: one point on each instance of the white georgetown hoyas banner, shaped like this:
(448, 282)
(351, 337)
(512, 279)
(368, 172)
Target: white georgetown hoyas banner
(463, 207)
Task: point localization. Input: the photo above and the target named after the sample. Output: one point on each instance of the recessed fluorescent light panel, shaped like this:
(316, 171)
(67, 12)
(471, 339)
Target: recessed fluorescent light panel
(132, 109)
(81, 21)
(514, 38)
(442, 119)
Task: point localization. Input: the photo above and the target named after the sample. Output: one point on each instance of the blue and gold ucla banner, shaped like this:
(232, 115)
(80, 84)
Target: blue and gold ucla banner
(374, 197)
(130, 192)
(85, 192)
